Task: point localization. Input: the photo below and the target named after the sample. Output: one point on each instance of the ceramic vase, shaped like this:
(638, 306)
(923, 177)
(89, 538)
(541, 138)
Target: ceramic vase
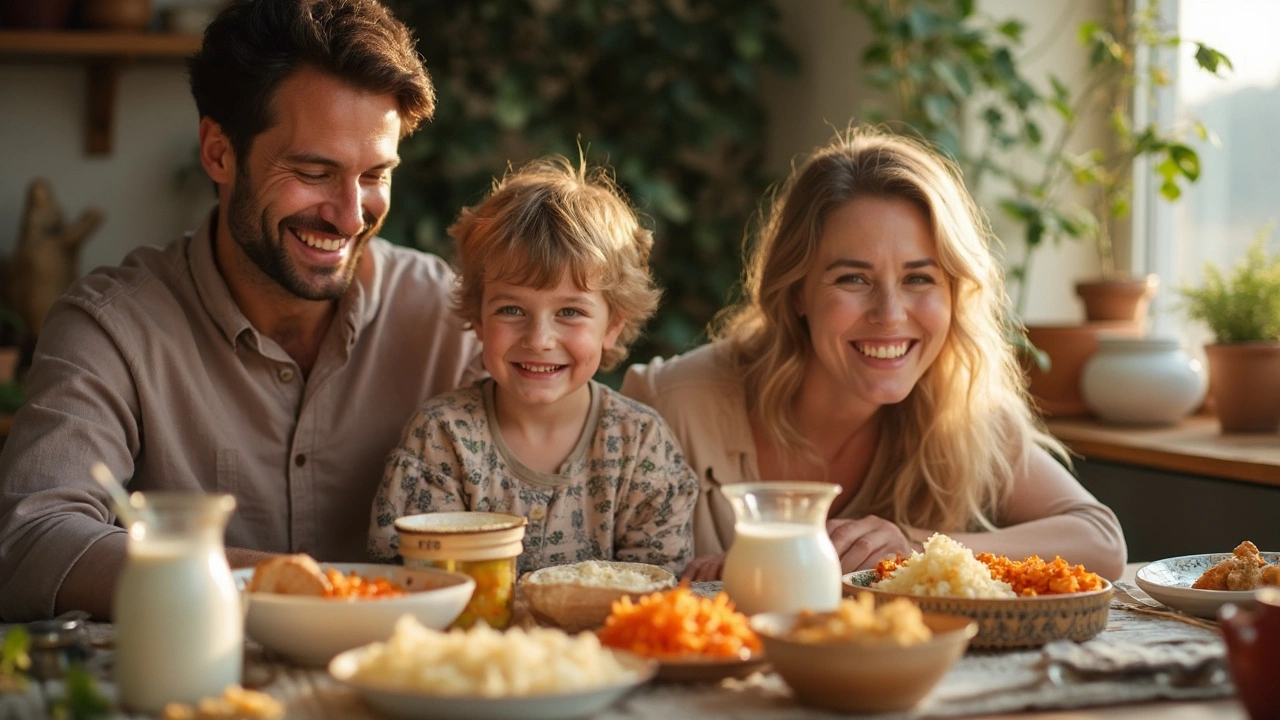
(1142, 381)
(1056, 391)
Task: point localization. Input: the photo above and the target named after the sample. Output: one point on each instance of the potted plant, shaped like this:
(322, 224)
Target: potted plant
(1242, 309)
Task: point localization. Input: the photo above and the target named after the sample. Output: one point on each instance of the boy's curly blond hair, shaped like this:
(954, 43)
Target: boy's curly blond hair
(545, 219)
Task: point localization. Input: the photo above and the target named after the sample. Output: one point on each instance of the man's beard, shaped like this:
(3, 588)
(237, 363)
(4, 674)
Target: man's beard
(265, 245)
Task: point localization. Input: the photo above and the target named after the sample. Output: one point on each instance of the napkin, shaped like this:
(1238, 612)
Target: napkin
(1181, 664)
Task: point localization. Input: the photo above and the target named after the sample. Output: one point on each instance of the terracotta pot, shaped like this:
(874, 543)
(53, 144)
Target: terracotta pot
(1069, 347)
(1118, 298)
(1245, 381)
(122, 15)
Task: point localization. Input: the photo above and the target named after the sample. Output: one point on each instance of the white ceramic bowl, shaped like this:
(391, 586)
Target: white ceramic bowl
(863, 677)
(1170, 581)
(311, 630)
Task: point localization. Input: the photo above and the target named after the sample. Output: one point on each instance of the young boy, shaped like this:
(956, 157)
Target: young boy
(553, 277)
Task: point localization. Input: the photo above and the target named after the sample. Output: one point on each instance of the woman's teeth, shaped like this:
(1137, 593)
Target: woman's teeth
(883, 351)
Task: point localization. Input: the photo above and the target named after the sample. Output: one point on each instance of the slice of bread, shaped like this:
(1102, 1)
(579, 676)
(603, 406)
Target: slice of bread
(578, 597)
(290, 575)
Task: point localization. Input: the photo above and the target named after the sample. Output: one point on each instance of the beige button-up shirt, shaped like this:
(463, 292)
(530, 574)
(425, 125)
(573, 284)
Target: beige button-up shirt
(151, 368)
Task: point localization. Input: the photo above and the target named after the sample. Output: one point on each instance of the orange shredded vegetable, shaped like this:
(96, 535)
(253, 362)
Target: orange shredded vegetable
(1034, 576)
(355, 586)
(678, 623)
(1028, 578)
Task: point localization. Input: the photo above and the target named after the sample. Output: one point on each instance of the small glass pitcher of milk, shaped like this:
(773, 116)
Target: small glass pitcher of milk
(781, 559)
(178, 615)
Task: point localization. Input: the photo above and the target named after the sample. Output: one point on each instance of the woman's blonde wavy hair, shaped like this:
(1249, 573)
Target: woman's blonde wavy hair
(545, 219)
(948, 452)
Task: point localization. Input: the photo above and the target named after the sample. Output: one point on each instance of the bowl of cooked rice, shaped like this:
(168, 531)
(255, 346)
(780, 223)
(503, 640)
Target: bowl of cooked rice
(1016, 603)
(863, 657)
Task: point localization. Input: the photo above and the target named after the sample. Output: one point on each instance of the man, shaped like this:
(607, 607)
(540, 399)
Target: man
(274, 354)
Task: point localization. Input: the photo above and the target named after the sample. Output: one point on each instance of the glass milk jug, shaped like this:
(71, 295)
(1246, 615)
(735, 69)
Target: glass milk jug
(781, 559)
(178, 616)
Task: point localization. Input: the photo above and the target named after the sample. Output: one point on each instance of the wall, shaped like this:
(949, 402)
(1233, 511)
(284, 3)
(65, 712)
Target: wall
(42, 135)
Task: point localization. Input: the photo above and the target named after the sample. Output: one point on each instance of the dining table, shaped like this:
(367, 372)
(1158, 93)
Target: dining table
(1016, 684)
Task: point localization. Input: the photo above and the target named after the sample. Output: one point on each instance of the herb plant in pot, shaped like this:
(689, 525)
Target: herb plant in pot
(1242, 309)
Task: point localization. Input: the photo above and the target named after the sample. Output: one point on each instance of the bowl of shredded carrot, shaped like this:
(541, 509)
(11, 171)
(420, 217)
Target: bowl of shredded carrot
(354, 604)
(693, 636)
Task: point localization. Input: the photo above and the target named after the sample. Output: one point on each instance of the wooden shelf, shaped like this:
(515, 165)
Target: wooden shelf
(107, 55)
(72, 44)
(1196, 445)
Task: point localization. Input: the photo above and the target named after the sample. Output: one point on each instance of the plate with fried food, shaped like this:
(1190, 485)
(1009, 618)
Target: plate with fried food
(1201, 584)
(1016, 603)
(694, 638)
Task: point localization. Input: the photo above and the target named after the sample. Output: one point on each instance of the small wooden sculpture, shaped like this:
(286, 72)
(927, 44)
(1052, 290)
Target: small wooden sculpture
(47, 258)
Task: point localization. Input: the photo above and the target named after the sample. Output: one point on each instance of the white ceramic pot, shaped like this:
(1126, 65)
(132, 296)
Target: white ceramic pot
(1142, 381)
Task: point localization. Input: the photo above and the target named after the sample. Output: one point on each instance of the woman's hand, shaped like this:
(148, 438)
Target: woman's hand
(704, 568)
(862, 543)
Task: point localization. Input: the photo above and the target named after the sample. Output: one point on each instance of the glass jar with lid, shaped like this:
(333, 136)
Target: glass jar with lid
(482, 545)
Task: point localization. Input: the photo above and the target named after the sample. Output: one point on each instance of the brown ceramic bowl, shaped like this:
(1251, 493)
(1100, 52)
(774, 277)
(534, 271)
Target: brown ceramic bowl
(863, 677)
(1010, 622)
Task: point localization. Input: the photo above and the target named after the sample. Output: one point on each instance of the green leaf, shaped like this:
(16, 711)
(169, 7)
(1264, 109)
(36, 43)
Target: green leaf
(1186, 160)
(1211, 60)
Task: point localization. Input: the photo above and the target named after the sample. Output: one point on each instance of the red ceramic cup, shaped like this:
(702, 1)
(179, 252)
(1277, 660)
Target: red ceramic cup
(1253, 651)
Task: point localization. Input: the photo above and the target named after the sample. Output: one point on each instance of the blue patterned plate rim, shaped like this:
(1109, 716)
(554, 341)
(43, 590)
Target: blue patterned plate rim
(1180, 572)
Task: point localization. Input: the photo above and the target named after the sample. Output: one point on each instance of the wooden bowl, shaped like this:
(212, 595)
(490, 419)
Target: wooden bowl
(578, 597)
(863, 677)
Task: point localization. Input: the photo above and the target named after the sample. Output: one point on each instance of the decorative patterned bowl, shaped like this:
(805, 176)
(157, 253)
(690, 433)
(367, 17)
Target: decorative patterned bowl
(1014, 622)
(863, 677)
(1170, 581)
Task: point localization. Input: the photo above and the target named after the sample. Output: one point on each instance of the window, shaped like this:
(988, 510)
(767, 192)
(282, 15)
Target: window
(1238, 194)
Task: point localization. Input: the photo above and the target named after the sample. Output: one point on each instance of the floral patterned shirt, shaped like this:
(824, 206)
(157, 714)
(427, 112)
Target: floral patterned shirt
(624, 493)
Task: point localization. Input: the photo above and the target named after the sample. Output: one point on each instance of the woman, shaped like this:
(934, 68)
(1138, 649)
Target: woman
(870, 351)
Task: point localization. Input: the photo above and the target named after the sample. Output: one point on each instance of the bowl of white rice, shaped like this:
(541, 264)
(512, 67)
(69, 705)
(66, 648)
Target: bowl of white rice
(947, 578)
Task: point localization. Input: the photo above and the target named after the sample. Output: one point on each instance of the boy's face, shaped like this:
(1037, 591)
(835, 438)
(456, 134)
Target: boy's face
(542, 345)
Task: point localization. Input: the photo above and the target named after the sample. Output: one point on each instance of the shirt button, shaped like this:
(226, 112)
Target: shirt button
(286, 374)
(538, 513)
(299, 460)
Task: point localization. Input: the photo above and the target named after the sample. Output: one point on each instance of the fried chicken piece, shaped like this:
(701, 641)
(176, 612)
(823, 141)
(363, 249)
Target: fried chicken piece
(1246, 575)
(1242, 571)
(1271, 575)
(1215, 578)
(1248, 552)
(290, 575)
